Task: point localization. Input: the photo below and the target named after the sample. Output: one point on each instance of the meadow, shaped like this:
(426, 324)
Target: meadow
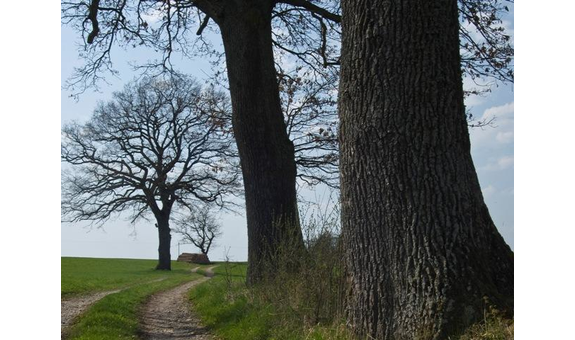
(116, 316)
(287, 309)
(87, 275)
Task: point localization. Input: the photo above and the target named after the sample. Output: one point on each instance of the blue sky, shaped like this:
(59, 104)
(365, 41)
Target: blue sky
(492, 151)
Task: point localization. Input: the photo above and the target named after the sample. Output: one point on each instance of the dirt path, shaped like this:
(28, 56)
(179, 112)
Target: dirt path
(167, 315)
(72, 307)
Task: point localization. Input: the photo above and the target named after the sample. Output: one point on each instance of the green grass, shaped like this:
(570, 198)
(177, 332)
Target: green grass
(234, 312)
(86, 275)
(494, 327)
(225, 304)
(225, 310)
(116, 315)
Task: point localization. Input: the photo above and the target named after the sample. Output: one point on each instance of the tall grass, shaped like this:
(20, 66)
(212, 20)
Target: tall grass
(302, 300)
(494, 326)
(236, 312)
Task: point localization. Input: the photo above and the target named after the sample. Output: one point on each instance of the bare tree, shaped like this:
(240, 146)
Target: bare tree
(310, 114)
(159, 145)
(266, 153)
(257, 37)
(199, 228)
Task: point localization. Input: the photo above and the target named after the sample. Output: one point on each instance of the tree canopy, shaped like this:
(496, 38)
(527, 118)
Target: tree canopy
(268, 45)
(157, 141)
(306, 38)
(159, 145)
(200, 228)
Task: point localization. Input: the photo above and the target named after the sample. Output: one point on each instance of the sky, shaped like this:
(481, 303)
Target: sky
(492, 151)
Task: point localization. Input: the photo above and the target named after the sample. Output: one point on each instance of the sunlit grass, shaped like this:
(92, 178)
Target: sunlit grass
(116, 315)
(234, 312)
(86, 275)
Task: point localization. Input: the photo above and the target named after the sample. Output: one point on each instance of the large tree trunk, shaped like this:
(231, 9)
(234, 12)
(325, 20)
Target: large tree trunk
(164, 236)
(266, 153)
(421, 249)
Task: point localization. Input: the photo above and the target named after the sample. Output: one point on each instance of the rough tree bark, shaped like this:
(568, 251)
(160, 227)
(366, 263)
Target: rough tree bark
(423, 255)
(165, 237)
(266, 153)
(162, 216)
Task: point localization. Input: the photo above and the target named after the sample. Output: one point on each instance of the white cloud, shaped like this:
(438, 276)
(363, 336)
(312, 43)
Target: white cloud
(501, 131)
(504, 137)
(153, 16)
(505, 162)
(502, 112)
(488, 190)
(501, 163)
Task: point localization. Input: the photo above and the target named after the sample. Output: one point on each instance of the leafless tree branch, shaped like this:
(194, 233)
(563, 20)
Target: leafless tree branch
(160, 142)
(199, 228)
(314, 9)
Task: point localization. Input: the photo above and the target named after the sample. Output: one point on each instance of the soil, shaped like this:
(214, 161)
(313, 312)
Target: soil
(167, 315)
(72, 307)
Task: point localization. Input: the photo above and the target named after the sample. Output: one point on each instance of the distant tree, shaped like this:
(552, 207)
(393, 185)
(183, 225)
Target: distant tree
(423, 255)
(160, 144)
(199, 228)
(310, 114)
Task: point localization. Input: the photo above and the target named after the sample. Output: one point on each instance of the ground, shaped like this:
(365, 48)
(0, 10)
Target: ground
(164, 315)
(167, 315)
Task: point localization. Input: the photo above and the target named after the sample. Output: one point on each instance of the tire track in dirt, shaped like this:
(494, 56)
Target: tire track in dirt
(72, 307)
(167, 314)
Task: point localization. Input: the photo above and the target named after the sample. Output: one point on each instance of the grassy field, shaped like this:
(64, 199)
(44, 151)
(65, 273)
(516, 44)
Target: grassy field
(224, 310)
(85, 275)
(116, 315)
(225, 304)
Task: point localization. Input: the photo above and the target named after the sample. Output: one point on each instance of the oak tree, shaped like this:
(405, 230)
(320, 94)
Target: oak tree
(200, 228)
(266, 153)
(158, 146)
(423, 254)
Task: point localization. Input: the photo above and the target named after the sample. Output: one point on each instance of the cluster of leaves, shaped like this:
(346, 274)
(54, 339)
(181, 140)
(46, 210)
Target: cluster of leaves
(486, 48)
